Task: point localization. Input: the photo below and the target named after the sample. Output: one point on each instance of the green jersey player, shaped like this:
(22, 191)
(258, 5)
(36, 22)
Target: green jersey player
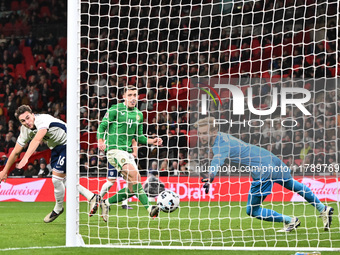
(121, 124)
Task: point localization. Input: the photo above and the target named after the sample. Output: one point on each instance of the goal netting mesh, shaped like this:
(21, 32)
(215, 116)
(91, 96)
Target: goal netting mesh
(181, 55)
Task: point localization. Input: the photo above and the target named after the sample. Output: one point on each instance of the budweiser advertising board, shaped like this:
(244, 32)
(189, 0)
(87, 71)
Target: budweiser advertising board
(189, 189)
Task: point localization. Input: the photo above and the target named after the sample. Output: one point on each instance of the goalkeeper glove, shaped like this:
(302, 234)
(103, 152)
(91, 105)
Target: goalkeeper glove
(207, 182)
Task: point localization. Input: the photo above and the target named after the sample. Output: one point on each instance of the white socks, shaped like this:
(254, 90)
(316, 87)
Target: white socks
(59, 192)
(105, 188)
(85, 192)
(125, 202)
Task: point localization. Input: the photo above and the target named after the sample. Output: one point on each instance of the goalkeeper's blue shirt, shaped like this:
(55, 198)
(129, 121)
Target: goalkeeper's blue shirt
(245, 157)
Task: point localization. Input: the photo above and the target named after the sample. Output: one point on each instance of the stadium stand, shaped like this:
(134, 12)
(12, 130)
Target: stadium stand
(42, 71)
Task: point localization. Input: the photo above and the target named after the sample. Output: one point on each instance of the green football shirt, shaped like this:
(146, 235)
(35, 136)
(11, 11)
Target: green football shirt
(119, 126)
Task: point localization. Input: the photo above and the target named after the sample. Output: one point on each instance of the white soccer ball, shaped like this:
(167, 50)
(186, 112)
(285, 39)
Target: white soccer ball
(168, 201)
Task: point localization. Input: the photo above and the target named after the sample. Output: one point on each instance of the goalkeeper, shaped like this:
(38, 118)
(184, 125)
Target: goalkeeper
(265, 168)
(122, 123)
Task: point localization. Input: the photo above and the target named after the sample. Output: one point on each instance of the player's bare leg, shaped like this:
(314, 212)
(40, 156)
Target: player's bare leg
(106, 187)
(134, 187)
(134, 184)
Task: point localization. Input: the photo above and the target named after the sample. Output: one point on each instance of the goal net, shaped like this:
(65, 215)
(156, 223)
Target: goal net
(265, 71)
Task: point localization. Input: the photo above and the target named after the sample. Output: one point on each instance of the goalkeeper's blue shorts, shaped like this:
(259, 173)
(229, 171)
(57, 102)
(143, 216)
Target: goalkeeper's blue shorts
(264, 187)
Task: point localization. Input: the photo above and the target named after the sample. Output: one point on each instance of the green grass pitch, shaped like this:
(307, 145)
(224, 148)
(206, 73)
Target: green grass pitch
(204, 224)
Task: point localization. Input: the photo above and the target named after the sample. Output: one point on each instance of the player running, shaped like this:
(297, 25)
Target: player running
(112, 175)
(122, 123)
(266, 169)
(37, 128)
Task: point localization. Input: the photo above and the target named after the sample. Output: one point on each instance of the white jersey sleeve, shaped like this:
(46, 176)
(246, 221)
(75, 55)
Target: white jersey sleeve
(24, 137)
(56, 131)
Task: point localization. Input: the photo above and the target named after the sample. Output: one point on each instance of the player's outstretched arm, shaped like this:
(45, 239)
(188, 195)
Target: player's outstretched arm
(11, 159)
(32, 147)
(216, 162)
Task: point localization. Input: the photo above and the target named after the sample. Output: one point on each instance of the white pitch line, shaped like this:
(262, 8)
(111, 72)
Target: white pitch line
(216, 238)
(31, 248)
(160, 241)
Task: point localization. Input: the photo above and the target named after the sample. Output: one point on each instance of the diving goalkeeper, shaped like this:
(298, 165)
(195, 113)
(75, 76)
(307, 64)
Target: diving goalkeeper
(122, 123)
(265, 168)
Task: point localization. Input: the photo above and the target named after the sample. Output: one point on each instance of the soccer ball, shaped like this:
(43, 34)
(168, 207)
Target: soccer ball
(168, 201)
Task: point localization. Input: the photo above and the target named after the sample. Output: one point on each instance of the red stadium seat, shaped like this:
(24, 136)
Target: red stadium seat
(55, 70)
(185, 82)
(8, 29)
(9, 151)
(18, 27)
(45, 11)
(183, 131)
(160, 106)
(148, 116)
(42, 65)
(192, 135)
(171, 103)
(15, 6)
(277, 50)
(63, 117)
(22, 45)
(245, 66)
(23, 5)
(256, 48)
(255, 66)
(63, 43)
(184, 104)
(84, 141)
(141, 96)
(11, 66)
(50, 48)
(4, 109)
(20, 70)
(21, 155)
(93, 140)
(298, 161)
(310, 59)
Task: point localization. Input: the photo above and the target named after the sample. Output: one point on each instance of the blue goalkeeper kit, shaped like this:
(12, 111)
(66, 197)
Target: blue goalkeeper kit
(265, 169)
(262, 164)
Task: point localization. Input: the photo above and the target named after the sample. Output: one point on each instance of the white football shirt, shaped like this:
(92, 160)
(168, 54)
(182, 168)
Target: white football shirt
(56, 131)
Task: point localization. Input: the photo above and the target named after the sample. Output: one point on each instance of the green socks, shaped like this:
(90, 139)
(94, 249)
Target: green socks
(121, 195)
(125, 193)
(140, 194)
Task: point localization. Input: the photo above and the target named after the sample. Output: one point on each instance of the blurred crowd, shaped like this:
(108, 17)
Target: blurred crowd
(32, 70)
(161, 48)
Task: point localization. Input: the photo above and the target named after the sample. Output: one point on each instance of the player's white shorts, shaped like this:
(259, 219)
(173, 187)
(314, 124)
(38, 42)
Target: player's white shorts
(119, 158)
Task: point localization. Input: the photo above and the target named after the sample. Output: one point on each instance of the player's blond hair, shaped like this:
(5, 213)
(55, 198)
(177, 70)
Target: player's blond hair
(206, 121)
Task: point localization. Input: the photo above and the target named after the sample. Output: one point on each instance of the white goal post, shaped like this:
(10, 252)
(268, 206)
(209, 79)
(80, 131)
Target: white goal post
(73, 237)
(190, 60)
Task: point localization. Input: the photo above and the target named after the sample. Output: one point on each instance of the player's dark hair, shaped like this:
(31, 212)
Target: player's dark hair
(129, 87)
(22, 109)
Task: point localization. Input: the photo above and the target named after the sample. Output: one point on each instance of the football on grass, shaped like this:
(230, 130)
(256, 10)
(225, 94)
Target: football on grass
(168, 201)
